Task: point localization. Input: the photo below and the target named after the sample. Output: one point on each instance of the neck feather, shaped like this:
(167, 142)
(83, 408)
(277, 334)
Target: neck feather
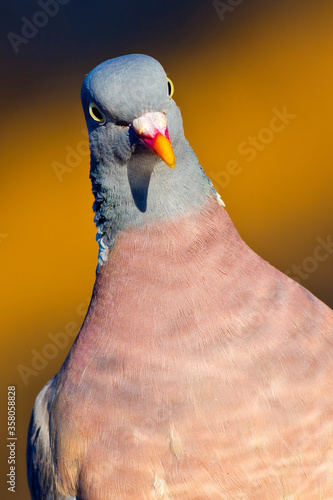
(144, 190)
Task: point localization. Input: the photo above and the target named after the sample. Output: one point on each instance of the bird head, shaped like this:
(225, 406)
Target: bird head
(126, 102)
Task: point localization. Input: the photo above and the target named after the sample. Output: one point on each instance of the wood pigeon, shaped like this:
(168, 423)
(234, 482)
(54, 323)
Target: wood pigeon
(200, 371)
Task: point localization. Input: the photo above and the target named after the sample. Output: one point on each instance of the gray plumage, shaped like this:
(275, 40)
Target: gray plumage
(121, 169)
(40, 462)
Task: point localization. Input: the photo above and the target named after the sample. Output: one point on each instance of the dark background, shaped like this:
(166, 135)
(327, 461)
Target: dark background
(229, 75)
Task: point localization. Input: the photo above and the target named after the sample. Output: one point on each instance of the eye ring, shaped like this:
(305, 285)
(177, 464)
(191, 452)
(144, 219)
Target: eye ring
(171, 88)
(96, 113)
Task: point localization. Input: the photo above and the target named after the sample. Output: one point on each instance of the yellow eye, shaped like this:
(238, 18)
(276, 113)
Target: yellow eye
(171, 88)
(96, 113)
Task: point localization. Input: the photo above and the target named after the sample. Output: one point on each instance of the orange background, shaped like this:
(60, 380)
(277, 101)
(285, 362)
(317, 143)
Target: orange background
(229, 75)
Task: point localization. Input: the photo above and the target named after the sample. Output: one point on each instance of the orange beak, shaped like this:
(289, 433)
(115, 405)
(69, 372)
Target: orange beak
(163, 148)
(152, 131)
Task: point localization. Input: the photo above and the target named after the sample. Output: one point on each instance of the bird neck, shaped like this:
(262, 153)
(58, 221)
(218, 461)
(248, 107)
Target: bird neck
(144, 190)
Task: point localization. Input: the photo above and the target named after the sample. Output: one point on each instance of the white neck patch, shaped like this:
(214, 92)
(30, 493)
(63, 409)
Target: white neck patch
(219, 200)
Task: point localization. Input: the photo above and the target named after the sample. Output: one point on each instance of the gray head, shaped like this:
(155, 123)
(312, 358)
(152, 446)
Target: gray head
(136, 134)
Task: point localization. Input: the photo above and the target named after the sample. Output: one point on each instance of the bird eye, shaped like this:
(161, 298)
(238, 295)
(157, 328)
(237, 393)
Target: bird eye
(96, 113)
(171, 88)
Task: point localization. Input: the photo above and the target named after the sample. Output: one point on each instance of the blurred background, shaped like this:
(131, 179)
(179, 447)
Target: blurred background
(235, 68)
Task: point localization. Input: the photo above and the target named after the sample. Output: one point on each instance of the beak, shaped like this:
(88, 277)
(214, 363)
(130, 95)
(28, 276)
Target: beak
(152, 131)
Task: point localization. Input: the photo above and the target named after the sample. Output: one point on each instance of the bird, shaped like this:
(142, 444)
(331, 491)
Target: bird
(200, 370)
